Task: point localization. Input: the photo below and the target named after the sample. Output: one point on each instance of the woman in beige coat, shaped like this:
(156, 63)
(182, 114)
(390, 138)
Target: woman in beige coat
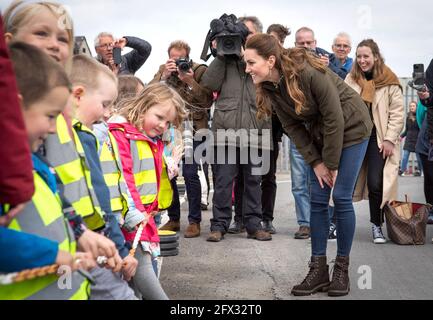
(380, 89)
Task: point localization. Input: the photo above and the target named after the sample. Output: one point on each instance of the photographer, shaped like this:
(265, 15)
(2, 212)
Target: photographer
(184, 76)
(235, 114)
(130, 62)
(424, 146)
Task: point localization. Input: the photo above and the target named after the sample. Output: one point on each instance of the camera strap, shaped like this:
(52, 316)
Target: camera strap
(204, 54)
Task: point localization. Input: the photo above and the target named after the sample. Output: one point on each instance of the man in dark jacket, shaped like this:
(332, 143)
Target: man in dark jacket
(304, 37)
(130, 62)
(236, 132)
(184, 76)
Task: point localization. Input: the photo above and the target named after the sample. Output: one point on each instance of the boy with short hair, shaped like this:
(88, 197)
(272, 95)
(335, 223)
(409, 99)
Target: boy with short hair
(94, 90)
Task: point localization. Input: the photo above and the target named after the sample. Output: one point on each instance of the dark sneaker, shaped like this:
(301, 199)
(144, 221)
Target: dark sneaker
(430, 218)
(236, 227)
(303, 233)
(171, 225)
(268, 226)
(378, 236)
(203, 206)
(417, 173)
(215, 236)
(192, 231)
(332, 232)
(260, 235)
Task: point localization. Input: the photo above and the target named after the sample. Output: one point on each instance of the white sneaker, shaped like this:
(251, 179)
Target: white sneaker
(378, 236)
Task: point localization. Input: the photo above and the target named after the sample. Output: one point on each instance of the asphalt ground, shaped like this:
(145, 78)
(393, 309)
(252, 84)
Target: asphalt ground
(238, 268)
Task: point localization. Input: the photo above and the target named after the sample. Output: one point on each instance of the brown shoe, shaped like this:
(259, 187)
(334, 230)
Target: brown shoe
(171, 225)
(316, 280)
(260, 235)
(193, 230)
(340, 284)
(303, 233)
(215, 236)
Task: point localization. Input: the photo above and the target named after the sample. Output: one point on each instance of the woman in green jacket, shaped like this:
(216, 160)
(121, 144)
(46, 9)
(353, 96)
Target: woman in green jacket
(330, 126)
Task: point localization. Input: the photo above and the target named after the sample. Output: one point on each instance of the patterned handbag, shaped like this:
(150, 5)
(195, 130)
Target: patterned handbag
(406, 222)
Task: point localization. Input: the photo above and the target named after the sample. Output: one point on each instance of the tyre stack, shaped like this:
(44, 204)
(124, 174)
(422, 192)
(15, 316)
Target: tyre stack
(169, 243)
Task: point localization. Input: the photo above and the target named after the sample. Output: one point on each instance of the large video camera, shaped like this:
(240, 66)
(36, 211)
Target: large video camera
(230, 35)
(418, 78)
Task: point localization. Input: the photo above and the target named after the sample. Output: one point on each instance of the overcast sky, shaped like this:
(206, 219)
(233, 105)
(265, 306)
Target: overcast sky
(403, 29)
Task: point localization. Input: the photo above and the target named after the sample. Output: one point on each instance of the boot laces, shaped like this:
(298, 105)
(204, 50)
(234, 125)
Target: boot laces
(312, 272)
(337, 272)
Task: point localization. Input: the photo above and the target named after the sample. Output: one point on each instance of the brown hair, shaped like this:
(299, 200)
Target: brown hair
(127, 87)
(281, 31)
(357, 72)
(86, 72)
(134, 108)
(37, 73)
(19, 13)
(290, 63)
(179, 45)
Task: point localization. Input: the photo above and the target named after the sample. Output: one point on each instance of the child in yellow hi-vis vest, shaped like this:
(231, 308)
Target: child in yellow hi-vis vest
(138, 131)
(48, 26)
(44, 89)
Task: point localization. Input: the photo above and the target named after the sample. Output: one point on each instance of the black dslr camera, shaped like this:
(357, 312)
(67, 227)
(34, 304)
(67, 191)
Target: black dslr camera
(418, 75)
(230, 35)
(184, 64)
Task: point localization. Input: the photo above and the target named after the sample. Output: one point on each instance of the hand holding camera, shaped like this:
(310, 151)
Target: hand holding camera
(324, 58)
(170, 68)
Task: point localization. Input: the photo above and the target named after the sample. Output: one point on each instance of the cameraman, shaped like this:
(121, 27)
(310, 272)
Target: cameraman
(235, 114)
(130, 62)
(184, 76)
(424, 146)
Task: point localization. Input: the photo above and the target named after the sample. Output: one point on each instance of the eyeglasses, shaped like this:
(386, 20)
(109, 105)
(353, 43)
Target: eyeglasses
(106, 46)
(342, 46)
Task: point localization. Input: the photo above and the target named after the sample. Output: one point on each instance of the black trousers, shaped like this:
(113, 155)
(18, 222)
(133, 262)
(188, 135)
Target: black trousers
(428, 178)
(268, 185)
(375, 163)
(224, 175)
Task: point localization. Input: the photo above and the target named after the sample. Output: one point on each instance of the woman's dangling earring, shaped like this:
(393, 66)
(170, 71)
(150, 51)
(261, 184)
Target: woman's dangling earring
(270, 73)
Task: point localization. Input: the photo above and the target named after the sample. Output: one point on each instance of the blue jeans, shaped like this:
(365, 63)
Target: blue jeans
(193, 186)
(350, 165)
(405, 160)
(300, 190)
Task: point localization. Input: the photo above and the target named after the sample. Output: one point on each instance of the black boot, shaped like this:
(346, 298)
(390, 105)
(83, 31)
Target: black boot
(340, 284)
(316, 280)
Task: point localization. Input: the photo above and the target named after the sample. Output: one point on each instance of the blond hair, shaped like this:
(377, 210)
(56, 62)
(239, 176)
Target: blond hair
(19, 13)
(134, 108)
(86, 72)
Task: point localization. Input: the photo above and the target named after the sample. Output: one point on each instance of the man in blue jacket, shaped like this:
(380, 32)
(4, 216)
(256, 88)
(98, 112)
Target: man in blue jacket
(304, 38)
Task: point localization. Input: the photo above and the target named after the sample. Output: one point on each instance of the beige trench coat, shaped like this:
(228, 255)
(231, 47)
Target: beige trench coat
(388, 118)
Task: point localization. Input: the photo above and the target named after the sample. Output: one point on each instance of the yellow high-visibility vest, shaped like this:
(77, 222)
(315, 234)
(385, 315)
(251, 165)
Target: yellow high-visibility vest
(95, 221)
(145, 176)
(113, 175)
(61, 153)
(43, 216)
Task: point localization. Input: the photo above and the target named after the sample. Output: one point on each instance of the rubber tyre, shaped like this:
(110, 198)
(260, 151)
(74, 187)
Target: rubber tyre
(170, 253)
(169, 246)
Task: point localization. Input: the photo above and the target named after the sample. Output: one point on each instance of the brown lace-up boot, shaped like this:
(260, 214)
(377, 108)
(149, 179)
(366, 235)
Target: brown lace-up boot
(340, 284)
(316, 280)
